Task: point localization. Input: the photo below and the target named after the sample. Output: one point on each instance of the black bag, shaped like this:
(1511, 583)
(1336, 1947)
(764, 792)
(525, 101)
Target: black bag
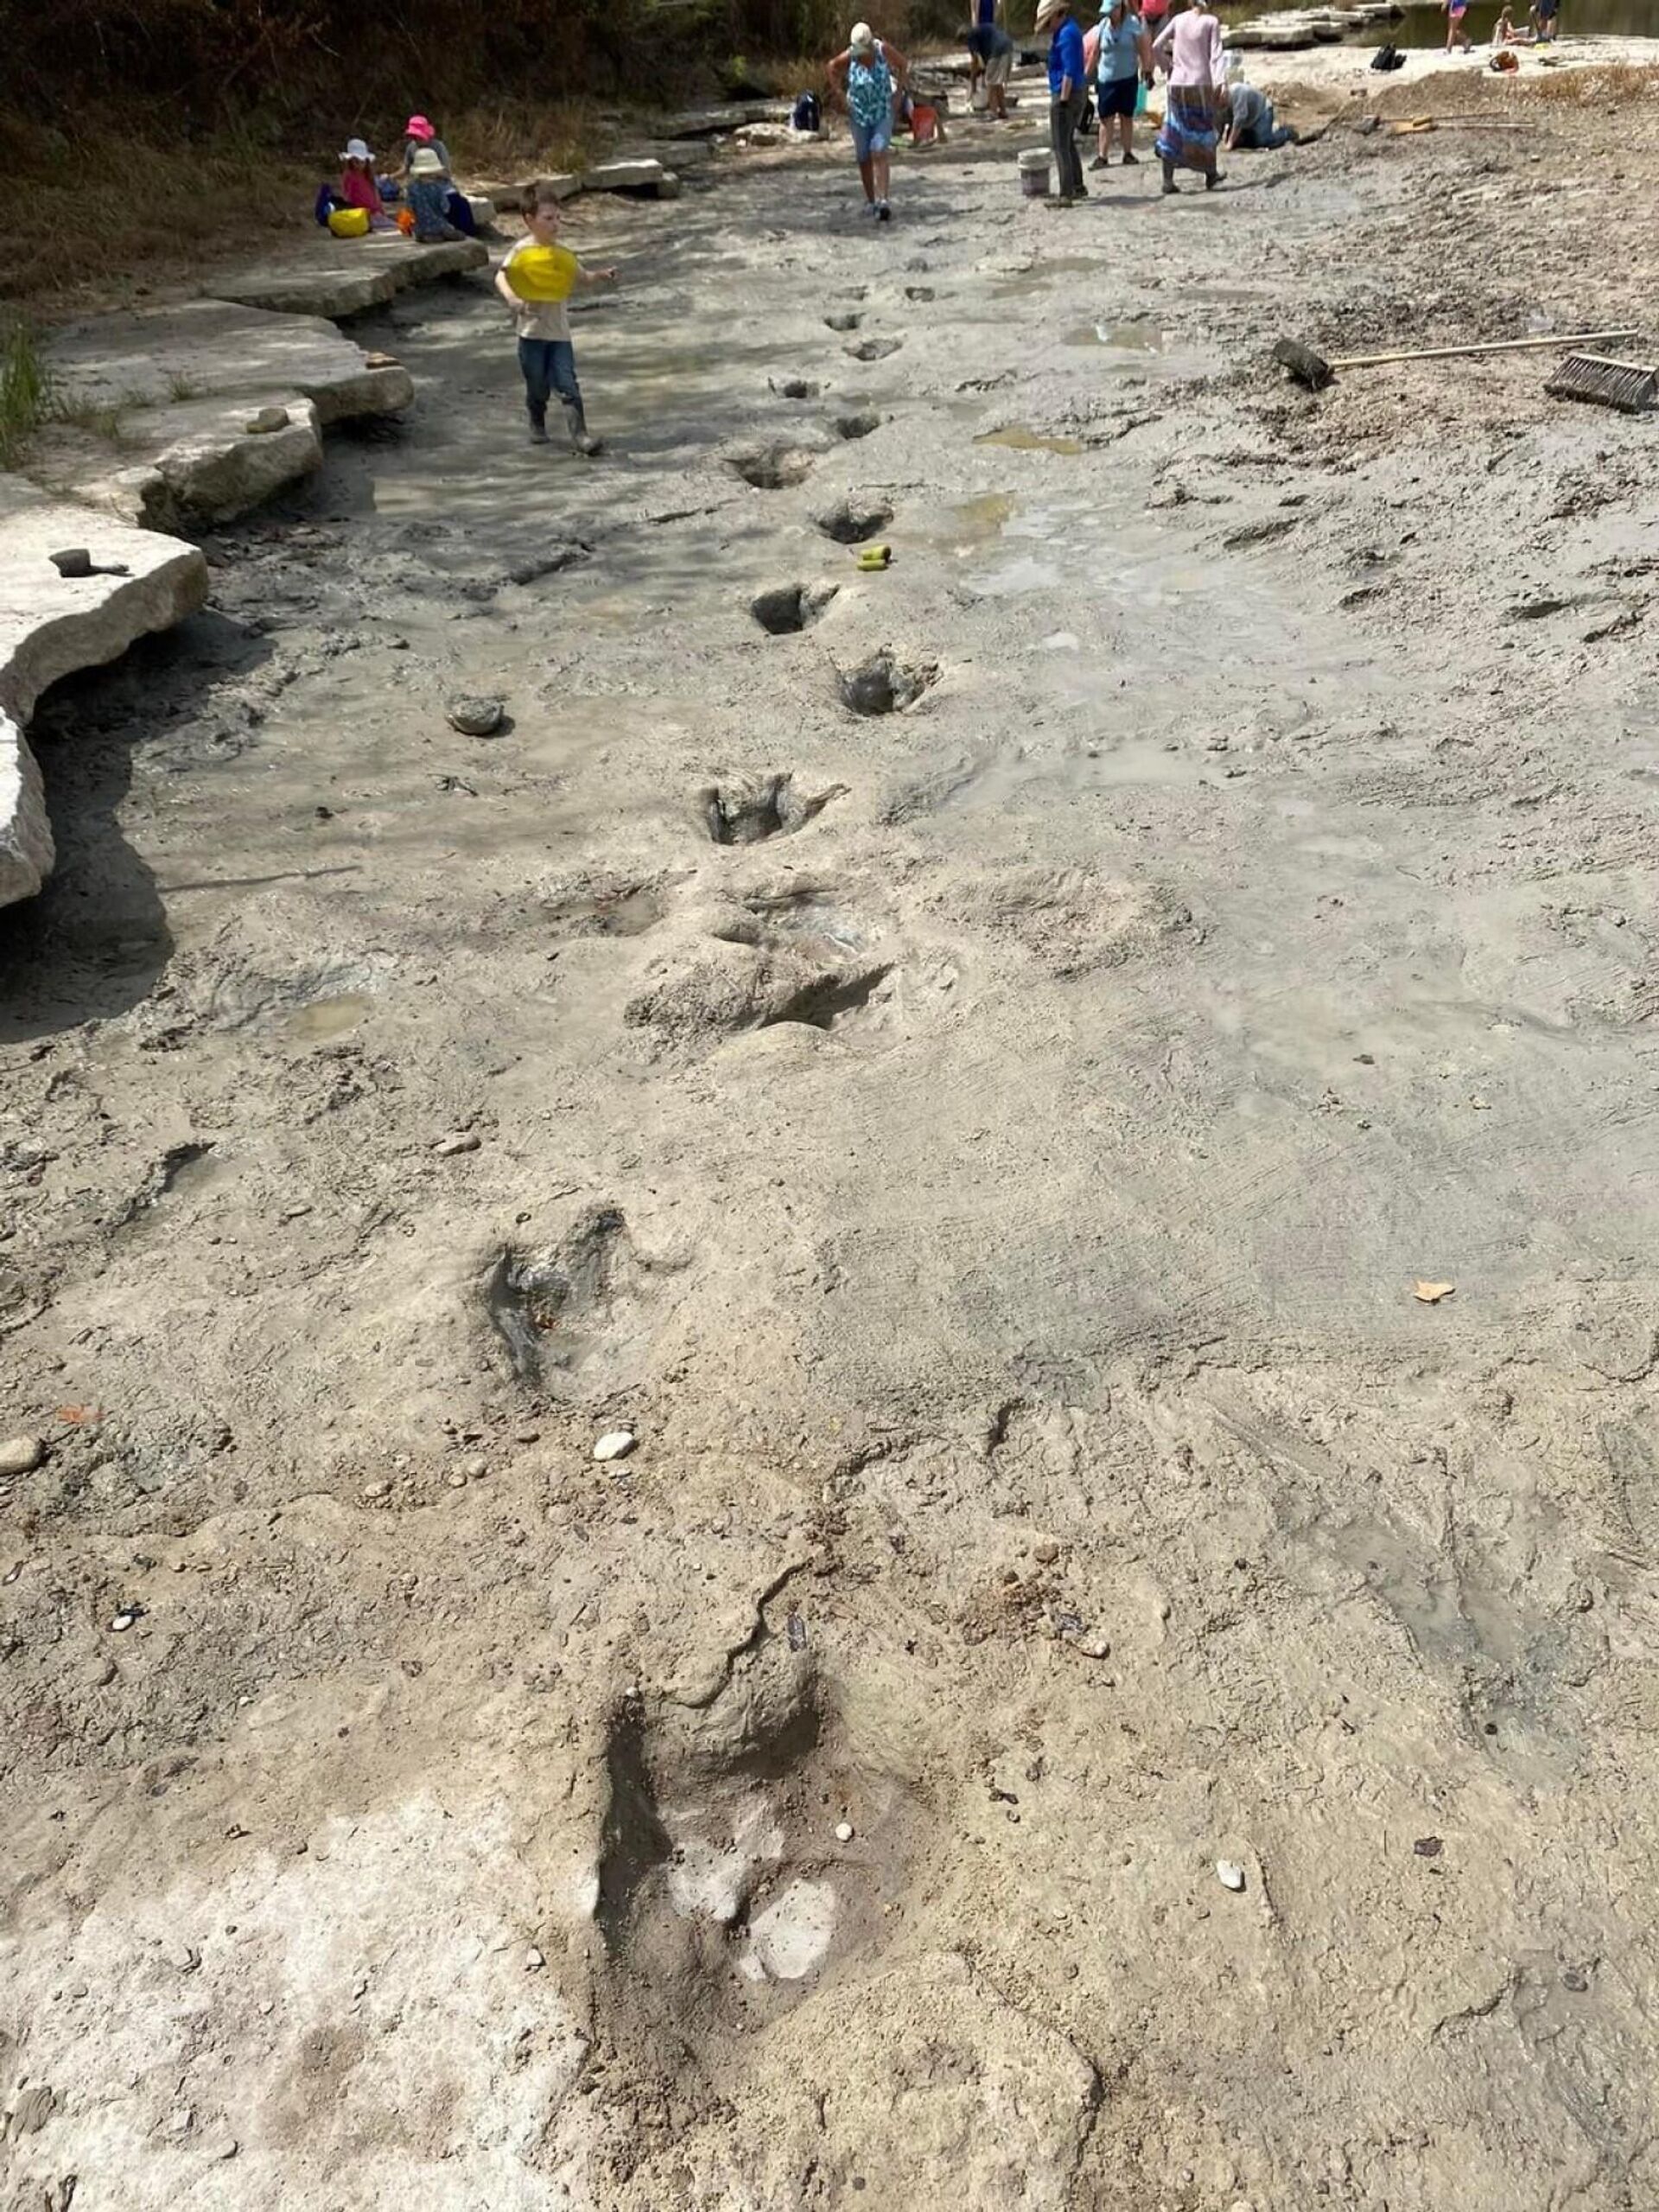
(1387, 57)
(806, 114)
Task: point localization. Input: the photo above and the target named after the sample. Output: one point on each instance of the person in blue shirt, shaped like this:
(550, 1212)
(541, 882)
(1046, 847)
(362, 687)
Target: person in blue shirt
(1068, 96)
(1124, 66)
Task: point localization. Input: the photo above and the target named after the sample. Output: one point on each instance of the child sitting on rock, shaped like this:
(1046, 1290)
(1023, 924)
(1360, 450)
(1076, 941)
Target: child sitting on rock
(358, 188)
(536, 280)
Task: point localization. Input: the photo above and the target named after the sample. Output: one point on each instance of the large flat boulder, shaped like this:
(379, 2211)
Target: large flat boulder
(648, 177)
(706, 121)
(345, 276)
(51, 625)
(513, 197)
(201, 411)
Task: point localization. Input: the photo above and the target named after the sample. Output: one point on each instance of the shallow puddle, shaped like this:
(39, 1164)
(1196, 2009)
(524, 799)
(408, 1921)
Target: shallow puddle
(325, 1018)
(1123, 337)
(1023, 439)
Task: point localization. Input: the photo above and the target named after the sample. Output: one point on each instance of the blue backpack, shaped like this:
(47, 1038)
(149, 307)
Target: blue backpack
(806, 114)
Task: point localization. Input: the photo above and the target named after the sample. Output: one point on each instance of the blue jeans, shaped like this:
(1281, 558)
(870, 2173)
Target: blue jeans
(550, 366)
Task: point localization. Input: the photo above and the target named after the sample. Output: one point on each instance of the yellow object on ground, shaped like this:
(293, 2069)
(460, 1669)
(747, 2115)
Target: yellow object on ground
(349, 222)
(874, 556)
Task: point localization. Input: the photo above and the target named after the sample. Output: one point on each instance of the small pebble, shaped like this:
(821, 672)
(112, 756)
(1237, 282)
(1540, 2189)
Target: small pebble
(533, 1960)
(373, 1490)
(1045, 1554)
(475, 717)
(843, 1831)
(20, 1455)
(615, 1444)
(474, 1469)
(1229, 1873)
(457, 1480)
(220, 2146)
(123, 1621)
(457, 1140)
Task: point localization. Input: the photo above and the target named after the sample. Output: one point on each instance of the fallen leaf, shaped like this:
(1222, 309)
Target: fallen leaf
(1431, 1294)
(81, 1417)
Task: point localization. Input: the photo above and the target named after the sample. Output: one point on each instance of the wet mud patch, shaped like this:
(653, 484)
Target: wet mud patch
(853, 519)
(786, 608)
(606, 905)
(884, 684)
(748, 814)
(577, 1317)
(774, 468)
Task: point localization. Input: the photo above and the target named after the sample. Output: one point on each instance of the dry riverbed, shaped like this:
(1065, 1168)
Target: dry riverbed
(1087, 1690)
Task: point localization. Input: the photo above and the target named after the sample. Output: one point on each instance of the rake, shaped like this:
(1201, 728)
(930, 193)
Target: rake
(1315, 372)
(1628, 385)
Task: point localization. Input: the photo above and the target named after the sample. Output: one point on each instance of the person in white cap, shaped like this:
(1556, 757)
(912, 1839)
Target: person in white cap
(358, 188)
(868, 75)
(1068, 95)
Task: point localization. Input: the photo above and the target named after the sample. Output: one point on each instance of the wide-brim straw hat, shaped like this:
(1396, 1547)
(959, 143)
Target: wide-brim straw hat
(418, 127)
(1049, 11)
(426, 163)
(862, 38)
(356, 151)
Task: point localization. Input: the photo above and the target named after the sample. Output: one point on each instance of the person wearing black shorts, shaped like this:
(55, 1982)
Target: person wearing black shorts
(1124, 64)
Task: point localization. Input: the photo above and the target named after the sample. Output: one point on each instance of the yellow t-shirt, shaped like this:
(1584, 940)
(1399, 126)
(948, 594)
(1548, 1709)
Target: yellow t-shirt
(542, 278)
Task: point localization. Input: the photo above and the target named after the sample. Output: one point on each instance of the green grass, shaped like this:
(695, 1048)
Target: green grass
(25, 388)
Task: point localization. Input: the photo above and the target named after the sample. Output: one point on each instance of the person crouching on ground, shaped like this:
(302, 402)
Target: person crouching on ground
(358, 188)
(1124, 66)
(536, 280)
(866, 73)
(1068, 96)
(991, 55)
(1246, 116)
(1188, 49)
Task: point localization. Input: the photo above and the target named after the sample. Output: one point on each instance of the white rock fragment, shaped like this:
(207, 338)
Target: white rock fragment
(457, 1140)
(615, 1444)
(1229, 1873)
(843, 1831)
(791, 1936)
(533, 1961)
(20, 1455)
(122, 1623)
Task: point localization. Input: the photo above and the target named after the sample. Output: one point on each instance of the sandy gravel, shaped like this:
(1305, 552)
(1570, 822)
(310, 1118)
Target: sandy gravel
(984, 1151)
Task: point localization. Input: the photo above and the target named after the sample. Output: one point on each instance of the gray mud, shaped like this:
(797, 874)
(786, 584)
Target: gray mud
(984, 1149)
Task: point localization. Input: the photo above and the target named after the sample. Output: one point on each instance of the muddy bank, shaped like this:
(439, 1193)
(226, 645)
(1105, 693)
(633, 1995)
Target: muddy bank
(984, 1147)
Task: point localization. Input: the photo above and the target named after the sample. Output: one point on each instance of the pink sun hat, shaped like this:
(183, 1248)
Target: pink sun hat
(418, 127)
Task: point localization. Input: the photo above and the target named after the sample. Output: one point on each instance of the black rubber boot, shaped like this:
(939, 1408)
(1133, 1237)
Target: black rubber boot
(576, 420)
(1169, 177)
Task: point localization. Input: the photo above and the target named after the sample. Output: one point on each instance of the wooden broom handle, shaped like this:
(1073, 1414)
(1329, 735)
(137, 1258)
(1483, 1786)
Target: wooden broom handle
(1491, 346)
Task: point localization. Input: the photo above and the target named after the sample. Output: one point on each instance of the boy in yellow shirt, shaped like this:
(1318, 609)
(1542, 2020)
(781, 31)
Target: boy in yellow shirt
(536, 280)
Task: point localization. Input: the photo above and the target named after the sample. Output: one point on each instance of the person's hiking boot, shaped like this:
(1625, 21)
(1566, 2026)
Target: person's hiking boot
(1099, 162)
(538, 430)
(1131, 161)
(1169, 177)
(1213, 177)
(883, 211)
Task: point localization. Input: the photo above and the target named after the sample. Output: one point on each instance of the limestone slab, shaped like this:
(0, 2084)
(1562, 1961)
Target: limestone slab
(645, 176)
(157, 408)
(345, 276)
(51, 625)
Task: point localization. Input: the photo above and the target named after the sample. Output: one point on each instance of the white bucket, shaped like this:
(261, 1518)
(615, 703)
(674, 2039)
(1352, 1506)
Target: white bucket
(1034, 170)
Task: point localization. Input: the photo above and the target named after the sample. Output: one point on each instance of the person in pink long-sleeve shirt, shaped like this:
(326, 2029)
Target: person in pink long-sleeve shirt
(1189, 49)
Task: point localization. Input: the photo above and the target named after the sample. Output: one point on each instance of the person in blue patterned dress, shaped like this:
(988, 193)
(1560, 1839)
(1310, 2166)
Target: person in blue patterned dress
(868, 75)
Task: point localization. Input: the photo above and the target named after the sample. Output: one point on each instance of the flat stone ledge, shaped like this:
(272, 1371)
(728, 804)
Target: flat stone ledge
(347, 276)
(50, 626)
(158, 407)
